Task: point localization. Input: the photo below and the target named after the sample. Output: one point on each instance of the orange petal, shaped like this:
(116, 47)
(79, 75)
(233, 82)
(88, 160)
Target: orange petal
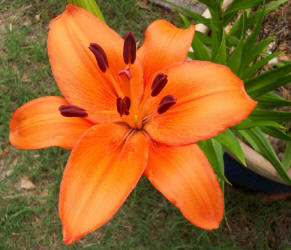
(39, 124)
(74, 65)
(210, 98)
(164, 45)
(101, 172)
(184, 176)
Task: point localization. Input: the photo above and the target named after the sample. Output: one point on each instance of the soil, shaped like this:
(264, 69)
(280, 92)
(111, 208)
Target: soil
(278, 23)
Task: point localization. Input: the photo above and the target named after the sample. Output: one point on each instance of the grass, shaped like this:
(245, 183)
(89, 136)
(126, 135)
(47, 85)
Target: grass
(29, 218)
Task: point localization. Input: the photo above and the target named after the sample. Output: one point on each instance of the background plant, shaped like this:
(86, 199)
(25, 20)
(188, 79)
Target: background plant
(240, 50)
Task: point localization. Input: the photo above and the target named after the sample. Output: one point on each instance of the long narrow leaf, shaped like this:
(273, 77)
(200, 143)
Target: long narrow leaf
(247, 51)
(249, 71)
(277, 133)
(221, 53)
(248, 123)
(214, 153)
(192, 14)
(203, 37)
(259, 90)
(271, 6)
(239, 5)
(89, 5)
(268, 81)
(255, 52)
(260, 143)
(270, 115)
(286, 161)
(238, 28)
(201, 52)
(228, 139)
(215, 41)
(185, 20)
(272, 100)
(235, 57)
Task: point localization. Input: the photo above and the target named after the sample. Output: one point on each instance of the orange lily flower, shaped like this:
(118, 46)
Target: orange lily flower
(128, 112)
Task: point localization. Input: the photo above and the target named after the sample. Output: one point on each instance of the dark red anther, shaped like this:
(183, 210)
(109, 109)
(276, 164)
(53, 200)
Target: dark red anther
(159, 83)
(126, 105)
(167, 102)
(72, 111)
(123, 105)
(100, 56)
(119, 105)
(129, 48)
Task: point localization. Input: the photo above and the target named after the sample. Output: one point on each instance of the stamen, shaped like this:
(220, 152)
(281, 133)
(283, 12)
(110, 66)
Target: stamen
(126, 105)
(129, 48)
(100, 56)
(166, 103)
(123, 105)
(125, 72)
(159, 83)
(119, 105)
(72, 111)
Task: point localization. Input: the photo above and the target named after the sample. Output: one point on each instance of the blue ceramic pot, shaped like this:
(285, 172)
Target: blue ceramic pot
(241, 176)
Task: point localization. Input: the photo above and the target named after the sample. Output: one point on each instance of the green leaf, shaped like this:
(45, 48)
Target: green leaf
(268, 81)
(208, 3)
(248, 123)
(238, 28)
(192, 14)
(270, 115)
(185, 20)
(215, 41)
(249, 43)
(235, 57)
(239, 5)
(201, 52)
(89, 5)
(221, 53)
(260, 143)
(272, 100)
(203, 37)
(259, 89)
(275, 132)
(286, 161)
(249, 71)
(214, 153)
(228, 139)
(271, 6)
(255, 52)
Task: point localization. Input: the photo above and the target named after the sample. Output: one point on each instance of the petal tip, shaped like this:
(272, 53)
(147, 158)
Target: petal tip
(68, 237)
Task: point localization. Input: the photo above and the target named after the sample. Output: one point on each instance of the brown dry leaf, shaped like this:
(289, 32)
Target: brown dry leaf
(25, 183)
(143, 5)
(25, 78)
(284, 57)
(44, 193)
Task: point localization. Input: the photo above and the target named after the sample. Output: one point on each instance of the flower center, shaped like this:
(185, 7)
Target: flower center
(127, 105)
